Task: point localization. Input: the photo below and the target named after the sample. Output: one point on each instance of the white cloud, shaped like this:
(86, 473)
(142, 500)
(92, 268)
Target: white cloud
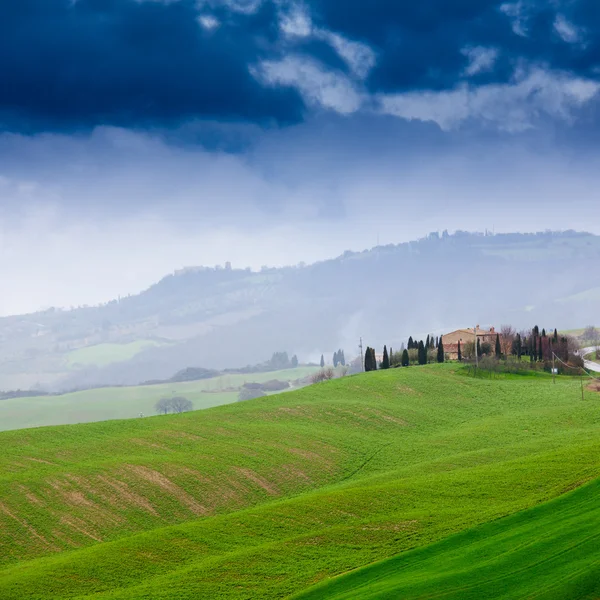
(510, 107)
(318, 86)
(295, 22)
(566, 30)
(247, 7)
(481, 59)
(516, 12)
(208, 22)
(359, 57)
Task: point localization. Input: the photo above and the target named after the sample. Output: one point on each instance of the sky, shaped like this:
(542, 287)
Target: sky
(141, 136)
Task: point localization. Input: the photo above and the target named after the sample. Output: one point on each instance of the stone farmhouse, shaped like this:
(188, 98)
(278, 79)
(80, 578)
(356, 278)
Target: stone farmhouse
(465, 336)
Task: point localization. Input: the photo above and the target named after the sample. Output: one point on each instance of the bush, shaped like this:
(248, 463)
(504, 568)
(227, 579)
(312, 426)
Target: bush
(274, 386)
(250, 394)
(322, 375)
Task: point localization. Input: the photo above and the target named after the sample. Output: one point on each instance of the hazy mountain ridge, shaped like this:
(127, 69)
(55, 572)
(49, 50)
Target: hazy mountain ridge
(218, 318)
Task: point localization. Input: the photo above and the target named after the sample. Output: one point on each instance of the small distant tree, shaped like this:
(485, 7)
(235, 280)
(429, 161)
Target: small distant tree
(335, 359)
(479, 352)
(385, 363)
(498, 349)
(555, 338)
(411, 343)
(294, 361)
(180, 404)
(405, 358)
(373, 359)
(322, 361)
(507, 340)
(459, 352)
(342, 358)
(163, 406)
(540, 349)
(440, 351)
(543, 333)
(427, 342)
(431, 342)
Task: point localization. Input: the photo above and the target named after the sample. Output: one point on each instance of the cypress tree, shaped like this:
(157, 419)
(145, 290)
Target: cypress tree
(555, 340)
(459, 352)
(440, 351)
(437, 342)
(479, 354)
(368, 359)
(405, 358)
(519, 346)
(391, 357)
(322, 361)
(342, 358)
(335, 359)
(498, 346)
(432, 342)
(422, 353)
(543, 333)
(427, 342)
(385, 363)
(541, 350)
(411, 344)
(373, 359)
(294, 361)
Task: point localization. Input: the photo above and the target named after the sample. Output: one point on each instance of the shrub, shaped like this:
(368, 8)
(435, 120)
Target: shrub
(250, 394)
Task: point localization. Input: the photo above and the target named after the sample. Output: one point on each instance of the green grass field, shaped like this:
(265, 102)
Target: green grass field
(101, 355)
(550, 552)
(271, 497)
(128, 402)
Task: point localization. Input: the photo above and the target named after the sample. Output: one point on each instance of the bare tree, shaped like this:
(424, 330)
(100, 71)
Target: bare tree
(322, 375)
(163, 406)
(507, 337)
(179, 404)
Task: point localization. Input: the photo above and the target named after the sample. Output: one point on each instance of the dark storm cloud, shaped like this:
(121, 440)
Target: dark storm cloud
(422, 44)
(72, 64)
(68, 64)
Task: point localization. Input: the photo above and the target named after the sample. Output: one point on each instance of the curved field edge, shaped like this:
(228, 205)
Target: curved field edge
(386, 462)
(550, 552)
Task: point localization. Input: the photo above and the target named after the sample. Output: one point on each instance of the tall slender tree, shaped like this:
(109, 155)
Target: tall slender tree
(459, 352)
(411, 343)
(368, 359)
(478, 350)
(427, 342)
(541, 349)
(555, 339)
(373, 359)
(498, 346)
(322, 361)
(405, 358)
(385, 363)
(422, 353)
(342, 358)
(440, 350)
(335, 359)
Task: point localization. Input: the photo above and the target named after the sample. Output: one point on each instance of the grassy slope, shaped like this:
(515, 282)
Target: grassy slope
(275, 495)
(101, 355)
(550, 552)
(127, 402)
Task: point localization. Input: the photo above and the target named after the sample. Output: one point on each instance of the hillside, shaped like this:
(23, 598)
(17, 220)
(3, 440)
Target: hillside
(510, 558)
(129, 402)
(269, 497)
(218, 318)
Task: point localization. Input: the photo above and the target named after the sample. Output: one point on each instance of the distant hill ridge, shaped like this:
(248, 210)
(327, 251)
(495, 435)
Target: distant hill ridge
(221, 317)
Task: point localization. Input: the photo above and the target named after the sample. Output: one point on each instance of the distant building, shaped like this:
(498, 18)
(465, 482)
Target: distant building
(465, 336)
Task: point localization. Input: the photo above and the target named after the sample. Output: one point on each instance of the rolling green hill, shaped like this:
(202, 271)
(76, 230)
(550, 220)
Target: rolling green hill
(128, 402)
(267, 498)
(551, 552)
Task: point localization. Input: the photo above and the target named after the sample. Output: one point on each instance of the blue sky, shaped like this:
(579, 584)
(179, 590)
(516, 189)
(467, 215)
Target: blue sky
(138, 136)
